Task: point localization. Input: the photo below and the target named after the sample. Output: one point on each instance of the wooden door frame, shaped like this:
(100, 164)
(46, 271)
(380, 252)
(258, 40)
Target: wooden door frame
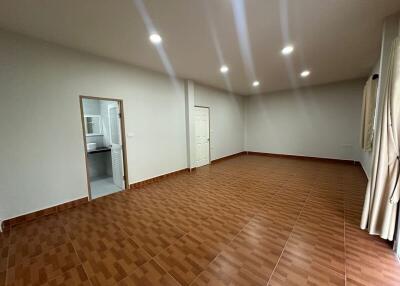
(122, 124)
(209, 131)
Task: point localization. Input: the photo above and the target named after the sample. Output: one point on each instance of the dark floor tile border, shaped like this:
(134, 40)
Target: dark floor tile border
(8, 223)
(158, 178)
(228, 157)
(350, 162)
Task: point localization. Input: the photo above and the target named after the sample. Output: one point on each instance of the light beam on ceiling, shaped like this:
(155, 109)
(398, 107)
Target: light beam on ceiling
(239, 13)
(159, 47)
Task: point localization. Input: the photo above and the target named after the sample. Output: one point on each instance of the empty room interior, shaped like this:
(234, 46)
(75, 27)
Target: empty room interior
(199, 142)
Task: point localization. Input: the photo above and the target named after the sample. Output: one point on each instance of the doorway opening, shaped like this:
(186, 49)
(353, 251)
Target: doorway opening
(105, 149)
(202, 135)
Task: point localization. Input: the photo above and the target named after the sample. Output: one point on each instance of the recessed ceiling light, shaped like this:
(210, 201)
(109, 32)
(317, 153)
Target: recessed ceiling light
(256, 83)
(155, 38)
(224, 69)
(287, 50)
(305, 73)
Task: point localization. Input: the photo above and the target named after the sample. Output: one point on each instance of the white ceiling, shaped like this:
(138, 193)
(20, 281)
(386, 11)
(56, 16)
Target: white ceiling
(336, 39)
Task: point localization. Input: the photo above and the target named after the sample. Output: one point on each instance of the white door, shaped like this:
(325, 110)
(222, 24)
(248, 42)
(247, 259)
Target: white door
(202, 132)
(116, 146)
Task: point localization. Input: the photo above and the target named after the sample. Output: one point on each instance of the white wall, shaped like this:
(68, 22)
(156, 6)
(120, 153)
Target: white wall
(226, 120)
(41, 147)
(190, 132)
(42, 156)
(321, 121)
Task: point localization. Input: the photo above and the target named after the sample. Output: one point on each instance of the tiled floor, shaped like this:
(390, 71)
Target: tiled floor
(102, 187)
(250, 220)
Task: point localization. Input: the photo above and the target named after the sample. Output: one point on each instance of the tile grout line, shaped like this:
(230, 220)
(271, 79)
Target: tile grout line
(37, 255)
(48, 250)
(251, 218)
(155, 255)
(284, 247)
(178, 228)
(216, 256)
(155, 261)
(162, 267)
(79, 259)
(51, 248)
(186, 233)
(131, 237)
(265, 204)
(333, 270)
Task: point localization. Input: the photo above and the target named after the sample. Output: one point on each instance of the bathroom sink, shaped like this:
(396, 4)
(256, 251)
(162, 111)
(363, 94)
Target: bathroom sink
(91, 146)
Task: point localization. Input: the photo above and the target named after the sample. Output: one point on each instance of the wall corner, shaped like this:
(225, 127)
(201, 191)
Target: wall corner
(189, 120)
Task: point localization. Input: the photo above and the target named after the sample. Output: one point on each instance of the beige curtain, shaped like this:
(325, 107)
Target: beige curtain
(382, 194)
(367, 115)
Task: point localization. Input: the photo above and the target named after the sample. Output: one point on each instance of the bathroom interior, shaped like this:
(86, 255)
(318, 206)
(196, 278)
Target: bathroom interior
(104, 148)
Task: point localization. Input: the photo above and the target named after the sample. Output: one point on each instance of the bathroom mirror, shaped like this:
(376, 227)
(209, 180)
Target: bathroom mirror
(93, 125)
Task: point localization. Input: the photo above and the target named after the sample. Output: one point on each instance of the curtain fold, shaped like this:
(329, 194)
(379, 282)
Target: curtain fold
(367, 114)
(382, 193)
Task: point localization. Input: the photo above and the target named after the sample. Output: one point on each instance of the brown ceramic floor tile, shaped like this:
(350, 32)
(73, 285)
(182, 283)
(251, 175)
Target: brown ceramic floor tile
(259, 230)
(44, 267)
(73, 277)
(187, 258)
(366, 257)
(295, 270)
(154, 237)
(320, 241)
(108, 261)
(218, 231)
(149, 274)
(329, 254)
(243, 221)
(2, 278)
(248, 260)
(34, 238)
(4, 247)
(233, 268)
